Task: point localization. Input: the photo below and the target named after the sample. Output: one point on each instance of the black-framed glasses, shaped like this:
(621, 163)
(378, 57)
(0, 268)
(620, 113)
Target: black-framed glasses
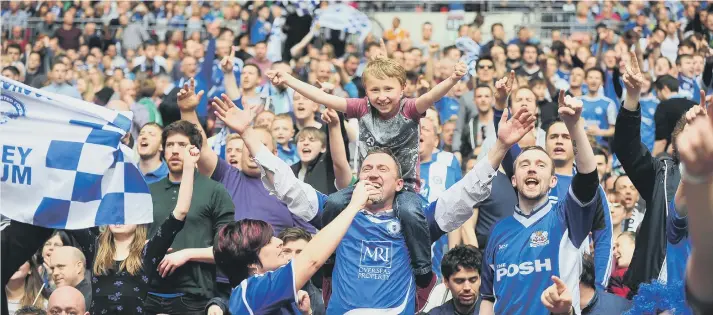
(486, 66)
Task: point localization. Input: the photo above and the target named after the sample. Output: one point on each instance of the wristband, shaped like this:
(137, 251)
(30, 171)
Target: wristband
(694, 179)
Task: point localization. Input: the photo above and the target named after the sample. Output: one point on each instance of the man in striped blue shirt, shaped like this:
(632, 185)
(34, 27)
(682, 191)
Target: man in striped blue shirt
(599, 111)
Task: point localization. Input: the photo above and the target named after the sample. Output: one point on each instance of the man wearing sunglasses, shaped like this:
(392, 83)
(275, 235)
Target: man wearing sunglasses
(468, 110)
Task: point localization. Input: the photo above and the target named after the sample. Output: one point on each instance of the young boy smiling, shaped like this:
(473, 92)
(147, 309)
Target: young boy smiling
(282, 130)
(387, 119)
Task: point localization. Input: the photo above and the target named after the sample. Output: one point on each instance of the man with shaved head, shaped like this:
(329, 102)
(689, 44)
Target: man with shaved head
(68, 300)
(68, 266)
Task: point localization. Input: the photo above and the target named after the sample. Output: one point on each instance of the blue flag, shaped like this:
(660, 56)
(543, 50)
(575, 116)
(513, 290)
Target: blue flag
(62, 162)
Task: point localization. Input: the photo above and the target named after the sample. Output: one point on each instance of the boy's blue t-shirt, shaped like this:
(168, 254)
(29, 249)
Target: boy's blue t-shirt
(447, 107)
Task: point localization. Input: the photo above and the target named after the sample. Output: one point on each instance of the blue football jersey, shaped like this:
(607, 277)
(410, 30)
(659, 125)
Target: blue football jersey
(599, 111)
(648, 125)
(447, 158)
(373, 268)
(602, 233)
(524, 252)
(436, 177)
(271, 293)
(678, 246)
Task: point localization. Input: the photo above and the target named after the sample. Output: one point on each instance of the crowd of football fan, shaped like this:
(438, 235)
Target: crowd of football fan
(230, 79)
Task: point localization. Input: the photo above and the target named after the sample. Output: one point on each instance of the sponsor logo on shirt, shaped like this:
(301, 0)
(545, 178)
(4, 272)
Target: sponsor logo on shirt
(502, 246)
(539, 238)
(598, 110)
(524, 268)
(375, 260)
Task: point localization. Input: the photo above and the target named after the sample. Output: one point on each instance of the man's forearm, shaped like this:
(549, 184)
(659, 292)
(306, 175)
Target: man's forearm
(583, 154)
(631, 102)
(496, 154)
(316, 95)
(700, 215)
(202, 255)
(231, 85)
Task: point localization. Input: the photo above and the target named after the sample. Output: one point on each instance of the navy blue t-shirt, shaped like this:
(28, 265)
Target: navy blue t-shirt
(500, 204)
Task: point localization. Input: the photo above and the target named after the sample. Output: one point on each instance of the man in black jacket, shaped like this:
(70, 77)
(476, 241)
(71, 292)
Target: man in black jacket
(656, 179)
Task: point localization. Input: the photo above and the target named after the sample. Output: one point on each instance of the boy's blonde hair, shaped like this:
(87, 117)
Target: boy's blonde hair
(283, 116)
(314, 133)
(233, 136)
(384, 68)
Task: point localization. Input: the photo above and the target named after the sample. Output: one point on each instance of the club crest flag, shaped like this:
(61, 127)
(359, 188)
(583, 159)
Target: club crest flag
(62, 164)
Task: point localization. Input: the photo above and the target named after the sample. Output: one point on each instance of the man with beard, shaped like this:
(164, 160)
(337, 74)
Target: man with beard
(543, 237)
(461, 274)
(189, 271)
(559, 148)
(150, 150)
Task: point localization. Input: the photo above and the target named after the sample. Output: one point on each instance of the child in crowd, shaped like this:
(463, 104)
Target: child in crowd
(311, 146)
(387, 119)
(283, 130)
(264, 119)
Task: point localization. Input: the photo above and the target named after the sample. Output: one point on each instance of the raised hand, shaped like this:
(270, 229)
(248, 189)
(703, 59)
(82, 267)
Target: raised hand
(557, 298)
(330, 117)
(188, 100)
(503, 87)
(510, 131)
(460, 69)
(276, 77)
(190, 157)
(234, 117)
(226, 64)
(698, 110)
(632, 77)
(383, 53)
(326, 87)
(570, 109)
(695, 145)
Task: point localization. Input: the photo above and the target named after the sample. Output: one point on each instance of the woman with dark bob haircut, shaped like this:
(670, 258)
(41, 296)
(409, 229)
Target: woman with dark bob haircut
(262, 278)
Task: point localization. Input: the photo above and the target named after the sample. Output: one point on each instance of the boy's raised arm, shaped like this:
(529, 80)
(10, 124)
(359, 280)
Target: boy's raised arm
(425, 101)
(311, 92)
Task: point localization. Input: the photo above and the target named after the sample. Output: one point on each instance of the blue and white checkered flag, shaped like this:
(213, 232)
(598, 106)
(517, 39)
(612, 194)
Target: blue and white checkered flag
(63, 165)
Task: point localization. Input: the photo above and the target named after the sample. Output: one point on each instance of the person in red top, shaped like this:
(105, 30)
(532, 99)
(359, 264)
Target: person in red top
(623, 252)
